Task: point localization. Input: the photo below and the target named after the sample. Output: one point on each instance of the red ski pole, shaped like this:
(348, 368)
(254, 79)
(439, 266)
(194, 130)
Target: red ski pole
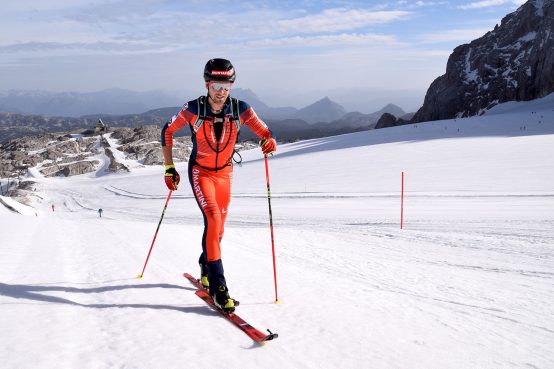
(155, 234)
(271, 227)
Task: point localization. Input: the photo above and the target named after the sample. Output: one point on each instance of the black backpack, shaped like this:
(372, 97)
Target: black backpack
(202, 113)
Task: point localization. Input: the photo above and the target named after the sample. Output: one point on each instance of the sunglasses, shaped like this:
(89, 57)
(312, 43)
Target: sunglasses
(218, 86)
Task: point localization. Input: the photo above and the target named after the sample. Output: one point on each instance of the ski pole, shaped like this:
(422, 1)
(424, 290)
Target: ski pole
(155, 234)
(271, 227)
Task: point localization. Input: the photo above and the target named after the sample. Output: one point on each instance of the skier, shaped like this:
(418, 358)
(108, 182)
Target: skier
(100, 211)
(214, 121)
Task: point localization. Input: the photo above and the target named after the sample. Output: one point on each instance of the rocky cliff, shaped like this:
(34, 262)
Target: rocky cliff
(515, 61)
(72, 153)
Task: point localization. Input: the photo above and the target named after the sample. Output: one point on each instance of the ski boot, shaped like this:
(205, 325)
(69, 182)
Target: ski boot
(223, 301)
(204, 276)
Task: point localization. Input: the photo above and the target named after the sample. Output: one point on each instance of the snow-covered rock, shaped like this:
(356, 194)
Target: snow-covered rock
(513, 62)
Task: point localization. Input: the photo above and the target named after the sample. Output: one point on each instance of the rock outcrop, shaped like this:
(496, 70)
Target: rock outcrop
(515, 61)
(143, 144)
(69, 154)
(387, 120)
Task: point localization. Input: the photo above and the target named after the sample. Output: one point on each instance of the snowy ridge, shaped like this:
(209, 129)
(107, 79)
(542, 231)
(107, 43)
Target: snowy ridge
(10, 204)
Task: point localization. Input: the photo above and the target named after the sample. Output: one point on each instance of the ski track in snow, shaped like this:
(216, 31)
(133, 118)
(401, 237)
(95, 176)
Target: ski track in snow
(469, 282)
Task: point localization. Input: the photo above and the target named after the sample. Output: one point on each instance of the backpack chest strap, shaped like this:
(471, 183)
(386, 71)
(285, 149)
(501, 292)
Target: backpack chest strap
(202, 113)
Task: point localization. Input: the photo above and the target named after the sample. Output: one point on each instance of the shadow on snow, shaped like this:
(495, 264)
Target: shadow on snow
(34, 293)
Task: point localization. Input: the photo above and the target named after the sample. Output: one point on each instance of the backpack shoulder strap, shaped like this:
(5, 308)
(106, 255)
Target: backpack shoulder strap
(201, 113)
(235, 113)
(235, 116)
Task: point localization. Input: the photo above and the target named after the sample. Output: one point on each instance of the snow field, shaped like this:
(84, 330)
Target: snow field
(467, 283)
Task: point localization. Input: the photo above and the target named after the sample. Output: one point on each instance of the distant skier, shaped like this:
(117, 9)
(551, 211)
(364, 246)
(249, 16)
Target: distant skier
(100, 211)
(52, 207)
(214, 121)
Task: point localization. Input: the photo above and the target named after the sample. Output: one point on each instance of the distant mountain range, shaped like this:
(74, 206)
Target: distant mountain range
(120, 102)
(76, 104)
(322, 118)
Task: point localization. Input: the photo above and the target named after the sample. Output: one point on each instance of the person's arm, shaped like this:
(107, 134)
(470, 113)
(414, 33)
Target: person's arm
(171, 127)
(171, 176)
(168, 155)
(251, 119)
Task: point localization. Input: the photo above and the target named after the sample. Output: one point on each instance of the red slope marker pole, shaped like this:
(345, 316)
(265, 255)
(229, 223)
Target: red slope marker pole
(271, 227)
(155, 234)
(402, 204)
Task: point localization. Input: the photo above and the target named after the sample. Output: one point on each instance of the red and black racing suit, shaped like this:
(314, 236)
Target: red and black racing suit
(210, 169)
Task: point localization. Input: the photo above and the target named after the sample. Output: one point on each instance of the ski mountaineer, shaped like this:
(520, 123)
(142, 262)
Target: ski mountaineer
(214, 121)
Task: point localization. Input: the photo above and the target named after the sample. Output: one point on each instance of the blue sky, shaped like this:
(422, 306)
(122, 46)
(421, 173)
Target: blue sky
(278, 47)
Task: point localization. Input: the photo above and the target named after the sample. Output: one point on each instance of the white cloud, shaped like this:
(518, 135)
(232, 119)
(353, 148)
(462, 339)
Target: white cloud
(99, 30)
(416, 5)
(46, 30)
(453, 35)
(21, 6)
(108, 35)
(79, 47)
(429, 3)
(339, 19)
(324, 40)
(490, 3)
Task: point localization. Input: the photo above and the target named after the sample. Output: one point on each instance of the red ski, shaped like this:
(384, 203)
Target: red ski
(250, 331)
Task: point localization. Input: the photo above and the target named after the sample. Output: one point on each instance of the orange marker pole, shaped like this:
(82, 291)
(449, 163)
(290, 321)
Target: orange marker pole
(402, 204)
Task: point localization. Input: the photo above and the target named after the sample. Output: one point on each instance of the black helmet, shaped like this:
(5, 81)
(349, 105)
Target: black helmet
(219, 70)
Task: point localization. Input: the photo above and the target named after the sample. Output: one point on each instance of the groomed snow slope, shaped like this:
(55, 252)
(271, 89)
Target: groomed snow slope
(468, 283)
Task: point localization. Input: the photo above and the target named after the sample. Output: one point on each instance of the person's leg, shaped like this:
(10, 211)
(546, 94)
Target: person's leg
(203, 184)
(223, 197)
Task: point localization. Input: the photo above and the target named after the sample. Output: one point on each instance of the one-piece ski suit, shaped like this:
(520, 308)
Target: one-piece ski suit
(210, 167)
